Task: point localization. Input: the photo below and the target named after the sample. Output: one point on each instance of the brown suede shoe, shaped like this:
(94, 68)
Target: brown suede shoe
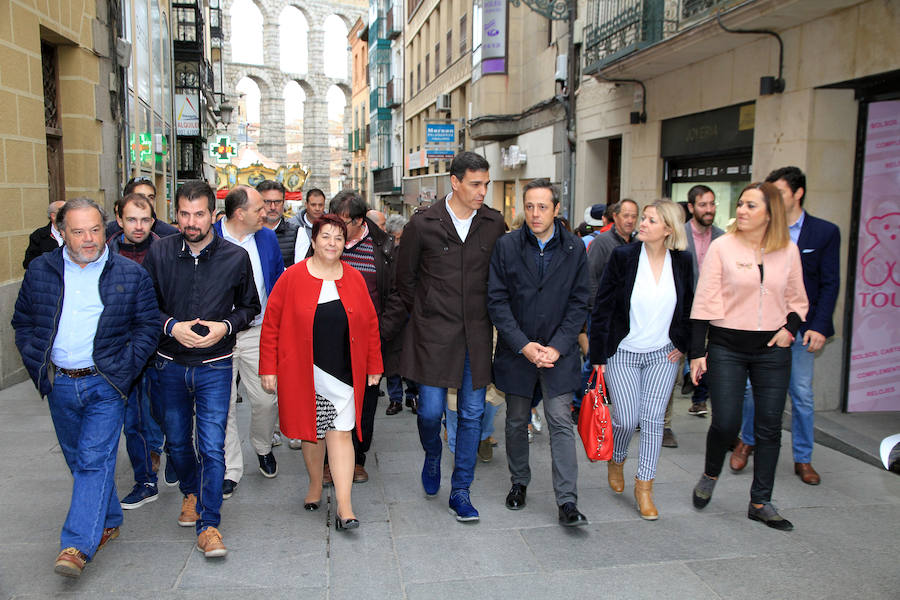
(807, 474)
(70, 563)
(109, 534)
(188, 516)
(359, 474)
(154, 462)
(209, 542)
(739, 457)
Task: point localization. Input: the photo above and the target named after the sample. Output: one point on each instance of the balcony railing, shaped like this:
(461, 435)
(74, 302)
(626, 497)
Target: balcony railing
(387, 180)
(393, 21)
(395, 92)
(616, 28)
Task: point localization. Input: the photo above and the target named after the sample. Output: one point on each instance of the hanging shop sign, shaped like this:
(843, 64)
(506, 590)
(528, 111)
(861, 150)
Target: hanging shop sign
(187, 114)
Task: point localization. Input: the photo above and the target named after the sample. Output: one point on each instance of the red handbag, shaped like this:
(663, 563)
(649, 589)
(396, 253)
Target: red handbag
(595, 421)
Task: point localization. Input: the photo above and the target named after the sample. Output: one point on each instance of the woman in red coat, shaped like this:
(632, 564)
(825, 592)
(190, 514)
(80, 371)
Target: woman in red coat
(320, 347)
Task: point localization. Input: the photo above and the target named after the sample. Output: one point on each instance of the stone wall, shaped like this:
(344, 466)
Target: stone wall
(271, 81)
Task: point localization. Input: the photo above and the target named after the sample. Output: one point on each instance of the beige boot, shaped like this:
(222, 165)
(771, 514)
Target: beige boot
(615, 476)
(643, 494)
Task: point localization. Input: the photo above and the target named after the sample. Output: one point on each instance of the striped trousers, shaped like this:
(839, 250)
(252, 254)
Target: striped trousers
(640, 384)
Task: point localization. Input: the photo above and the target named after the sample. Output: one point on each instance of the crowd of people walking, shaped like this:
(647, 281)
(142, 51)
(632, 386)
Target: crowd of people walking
(163, 330)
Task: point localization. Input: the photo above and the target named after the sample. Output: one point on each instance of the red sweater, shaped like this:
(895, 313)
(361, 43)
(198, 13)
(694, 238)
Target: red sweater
(286, 344)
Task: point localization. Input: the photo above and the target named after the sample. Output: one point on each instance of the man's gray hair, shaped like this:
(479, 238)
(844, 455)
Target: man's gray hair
(75, 203)
(395, 223)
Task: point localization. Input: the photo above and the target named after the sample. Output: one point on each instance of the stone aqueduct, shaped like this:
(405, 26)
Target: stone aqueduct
(272, 80)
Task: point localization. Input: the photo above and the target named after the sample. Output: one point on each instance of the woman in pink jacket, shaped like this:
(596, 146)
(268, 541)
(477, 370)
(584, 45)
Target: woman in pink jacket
(750, 300)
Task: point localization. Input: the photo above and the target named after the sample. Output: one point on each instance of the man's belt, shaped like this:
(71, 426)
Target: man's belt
(76, 373)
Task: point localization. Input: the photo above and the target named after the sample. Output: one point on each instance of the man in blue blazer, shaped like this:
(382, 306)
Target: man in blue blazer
(820, 244)
(243, 226)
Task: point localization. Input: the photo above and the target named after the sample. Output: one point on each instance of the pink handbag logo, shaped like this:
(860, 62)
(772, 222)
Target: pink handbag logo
(880, 262)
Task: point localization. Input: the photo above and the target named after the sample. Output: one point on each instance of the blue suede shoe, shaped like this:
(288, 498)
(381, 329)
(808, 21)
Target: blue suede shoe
(431, 474)
(461, 506)
(140, 495)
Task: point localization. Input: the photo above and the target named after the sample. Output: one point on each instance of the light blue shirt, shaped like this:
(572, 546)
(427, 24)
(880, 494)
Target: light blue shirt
(794, 230)
(249, 244)
(73, 346)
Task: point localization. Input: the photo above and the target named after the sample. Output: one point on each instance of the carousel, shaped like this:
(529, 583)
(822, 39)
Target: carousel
(249, 167)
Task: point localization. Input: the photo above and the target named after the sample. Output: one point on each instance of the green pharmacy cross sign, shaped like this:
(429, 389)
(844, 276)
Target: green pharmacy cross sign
(141, 147)
(222, 150)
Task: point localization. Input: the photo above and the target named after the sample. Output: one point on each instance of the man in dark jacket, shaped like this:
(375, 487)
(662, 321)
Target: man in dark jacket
(143, 436)
(272, 193)
(369, 250)
(442, 270)
(46, 238)
(86, 323)
(538, 301)
(315, 208)
(206, 294)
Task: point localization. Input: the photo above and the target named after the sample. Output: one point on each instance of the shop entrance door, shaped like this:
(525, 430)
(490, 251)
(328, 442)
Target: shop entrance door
(725, 176)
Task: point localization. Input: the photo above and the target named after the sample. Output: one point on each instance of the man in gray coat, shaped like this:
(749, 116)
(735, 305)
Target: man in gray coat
(625, 216)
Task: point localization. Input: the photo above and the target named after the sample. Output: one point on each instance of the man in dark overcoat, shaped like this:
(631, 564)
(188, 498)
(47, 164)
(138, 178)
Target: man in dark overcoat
(441, 283)
(538, 300)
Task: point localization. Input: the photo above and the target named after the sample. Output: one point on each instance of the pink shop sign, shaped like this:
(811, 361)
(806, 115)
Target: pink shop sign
(874, 383)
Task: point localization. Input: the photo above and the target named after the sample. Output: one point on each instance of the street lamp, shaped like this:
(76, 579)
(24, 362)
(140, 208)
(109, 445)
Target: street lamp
(225, 111)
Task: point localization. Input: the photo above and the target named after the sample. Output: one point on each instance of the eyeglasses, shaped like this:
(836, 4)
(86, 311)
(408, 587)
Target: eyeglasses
(140, 179)
(273, 202)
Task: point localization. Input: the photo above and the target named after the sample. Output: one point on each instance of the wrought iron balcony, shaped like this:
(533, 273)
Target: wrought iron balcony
(617, 28)
(387, 180)
(393, 26)
(395, 92)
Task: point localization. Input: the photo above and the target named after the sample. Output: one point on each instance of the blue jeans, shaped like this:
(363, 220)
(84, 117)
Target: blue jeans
(470, 409)
(208, 388)
(142, 432)
(487, 424)
(395, 388)
(800, 390)
(87, 414)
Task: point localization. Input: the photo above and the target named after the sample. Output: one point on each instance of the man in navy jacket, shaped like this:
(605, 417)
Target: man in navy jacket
(86, 321)
(819, 242)
(538, 301)
(206, 294)
(243, 226)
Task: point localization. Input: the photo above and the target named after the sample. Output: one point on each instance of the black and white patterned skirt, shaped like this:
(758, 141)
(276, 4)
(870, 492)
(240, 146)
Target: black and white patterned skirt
(325, 416)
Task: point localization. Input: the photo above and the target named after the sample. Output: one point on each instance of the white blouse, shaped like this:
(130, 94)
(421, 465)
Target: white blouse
(652, 307)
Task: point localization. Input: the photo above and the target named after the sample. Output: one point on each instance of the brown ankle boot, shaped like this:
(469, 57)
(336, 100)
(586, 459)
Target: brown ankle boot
(643, 494)
(615, 476)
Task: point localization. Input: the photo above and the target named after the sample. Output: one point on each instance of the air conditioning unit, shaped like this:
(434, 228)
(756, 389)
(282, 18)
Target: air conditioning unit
(443, 102)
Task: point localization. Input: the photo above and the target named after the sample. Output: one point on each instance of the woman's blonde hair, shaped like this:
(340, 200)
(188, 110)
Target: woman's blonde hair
(777, 235)
(672, 217)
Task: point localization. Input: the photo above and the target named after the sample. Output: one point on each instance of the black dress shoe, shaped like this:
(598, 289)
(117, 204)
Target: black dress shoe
(393, 408)
(343, 524)
(267, 465)
(515, 500)
(570, 517)
(311, 506)
(413, 404)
